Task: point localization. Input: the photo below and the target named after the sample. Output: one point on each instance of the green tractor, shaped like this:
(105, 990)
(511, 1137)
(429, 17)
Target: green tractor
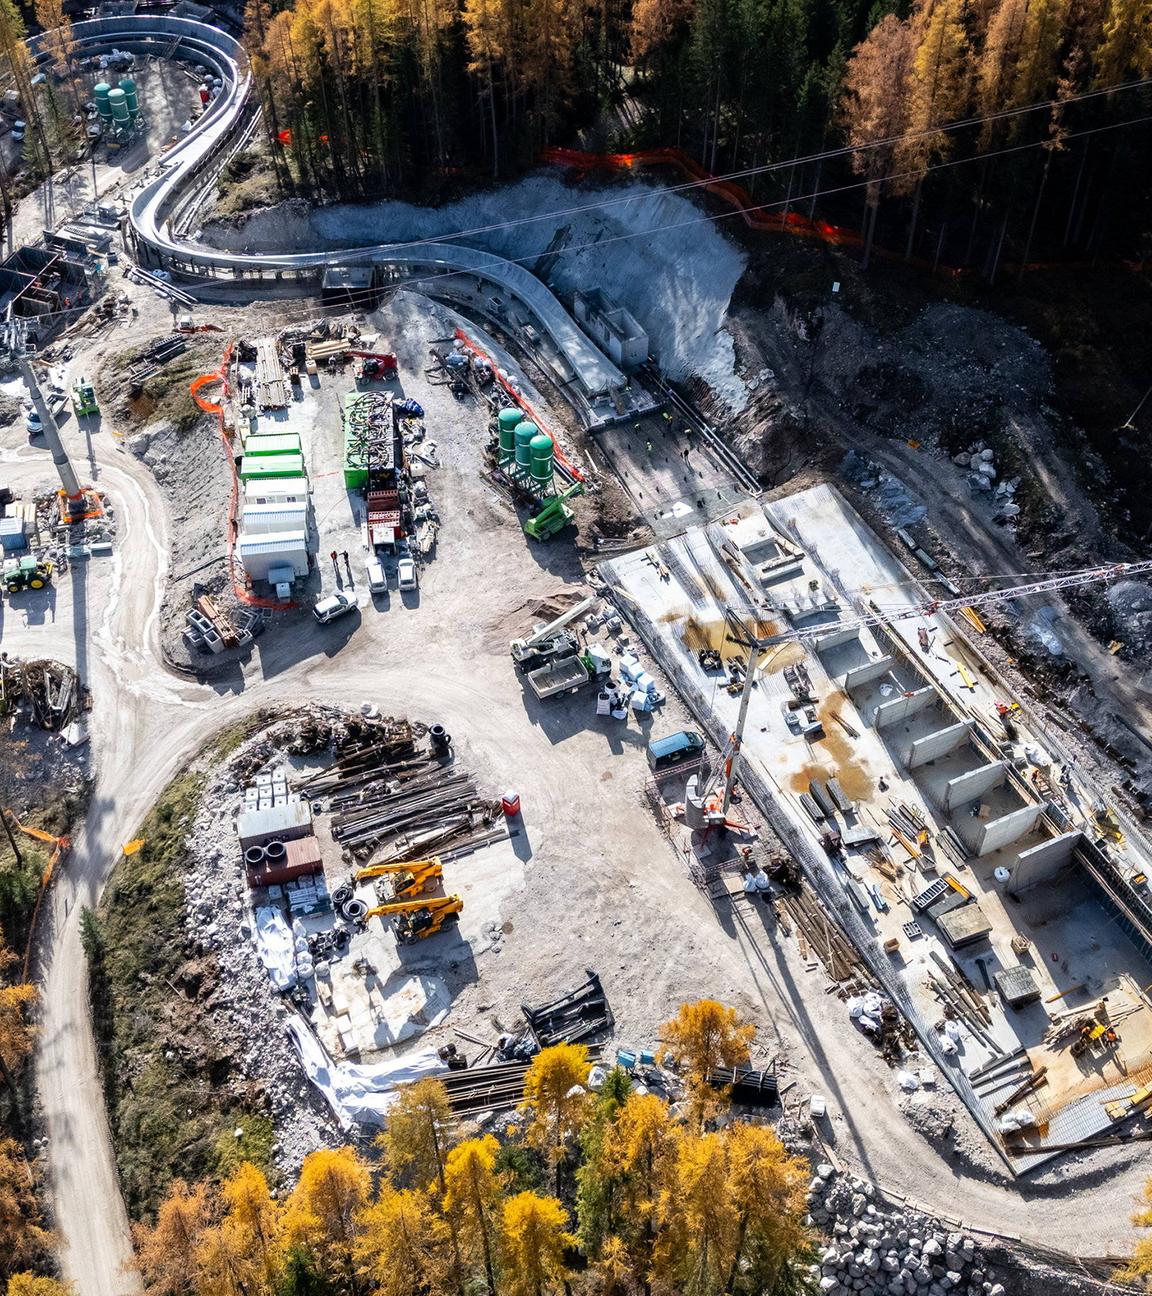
(554, 516)
(26, 573)
(84, 398)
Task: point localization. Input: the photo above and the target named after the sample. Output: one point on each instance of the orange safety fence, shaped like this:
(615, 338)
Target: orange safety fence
(760, 220)
(526, 405)
(239, 586)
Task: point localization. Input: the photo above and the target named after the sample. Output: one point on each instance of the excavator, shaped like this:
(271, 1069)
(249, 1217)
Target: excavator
(416, 920)
(37, 834)
(408, 880)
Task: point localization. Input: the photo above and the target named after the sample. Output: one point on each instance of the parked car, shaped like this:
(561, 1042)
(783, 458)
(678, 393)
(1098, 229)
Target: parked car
(33, 423)
(335, 605)
(406, 576)
(377, 577)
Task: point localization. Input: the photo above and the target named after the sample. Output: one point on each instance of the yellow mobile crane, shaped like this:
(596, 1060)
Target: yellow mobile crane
(411, 879)
(418, 919)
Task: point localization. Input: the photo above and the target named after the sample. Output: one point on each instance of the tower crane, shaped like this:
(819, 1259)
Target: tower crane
(905, 611)
(739, 633)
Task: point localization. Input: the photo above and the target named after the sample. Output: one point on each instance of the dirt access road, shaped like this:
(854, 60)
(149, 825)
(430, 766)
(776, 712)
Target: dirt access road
(595, 849)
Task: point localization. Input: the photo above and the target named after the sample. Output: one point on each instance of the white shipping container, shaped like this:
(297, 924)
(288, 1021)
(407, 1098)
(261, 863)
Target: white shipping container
(259, 553)
(278, 515)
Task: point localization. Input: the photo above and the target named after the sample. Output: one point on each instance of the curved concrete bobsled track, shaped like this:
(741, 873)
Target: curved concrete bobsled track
(159, 213)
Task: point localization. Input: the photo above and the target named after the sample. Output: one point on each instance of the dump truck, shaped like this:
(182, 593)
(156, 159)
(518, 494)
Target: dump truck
(564, 675)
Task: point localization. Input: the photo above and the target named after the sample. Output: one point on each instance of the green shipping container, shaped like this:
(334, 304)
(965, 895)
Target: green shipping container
(270, 443)
(258, 467)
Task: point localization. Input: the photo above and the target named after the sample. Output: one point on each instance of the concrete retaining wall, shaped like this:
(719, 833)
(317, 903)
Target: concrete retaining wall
(967, 787)
(836, 639)
(984, 837)
(865, 674)
(1044, 861)
(901, 708)
(934, 745)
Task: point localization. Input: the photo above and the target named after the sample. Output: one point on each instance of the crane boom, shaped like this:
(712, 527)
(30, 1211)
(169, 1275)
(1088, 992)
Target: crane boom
(381, 870)
(410, 906)
(904, 611)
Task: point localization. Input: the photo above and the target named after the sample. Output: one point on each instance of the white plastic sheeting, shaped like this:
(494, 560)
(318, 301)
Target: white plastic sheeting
(275, 945)
(358, 1095)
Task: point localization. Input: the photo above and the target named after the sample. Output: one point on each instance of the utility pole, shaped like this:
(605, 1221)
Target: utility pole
(69, 482)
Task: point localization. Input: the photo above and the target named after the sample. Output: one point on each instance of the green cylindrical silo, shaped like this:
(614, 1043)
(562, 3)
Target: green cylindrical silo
(524, 433)
(507, 420)
(103, 107)
(129, 88)
(118, 102)
(541, 450)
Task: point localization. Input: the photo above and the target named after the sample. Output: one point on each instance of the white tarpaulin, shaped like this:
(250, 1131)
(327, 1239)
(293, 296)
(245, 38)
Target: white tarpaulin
(359, 1095)
(275, 945)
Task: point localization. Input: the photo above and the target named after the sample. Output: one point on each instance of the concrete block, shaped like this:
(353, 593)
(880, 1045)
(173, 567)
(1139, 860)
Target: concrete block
(982, 838)
(836, 639)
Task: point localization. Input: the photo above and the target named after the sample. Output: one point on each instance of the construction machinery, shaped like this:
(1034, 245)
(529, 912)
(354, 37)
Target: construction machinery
(60, 844)
(408, 880)
(20, 574)
(373, 366)
(522, 648)
(554, 516)
(416, 920)
(84, 398)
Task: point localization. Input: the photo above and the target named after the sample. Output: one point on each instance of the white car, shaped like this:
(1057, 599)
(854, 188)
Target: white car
(33, 423)
(377, 580)
(406, 577)
(335, 605)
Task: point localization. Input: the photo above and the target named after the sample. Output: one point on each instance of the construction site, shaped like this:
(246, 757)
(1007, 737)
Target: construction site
(520, 685)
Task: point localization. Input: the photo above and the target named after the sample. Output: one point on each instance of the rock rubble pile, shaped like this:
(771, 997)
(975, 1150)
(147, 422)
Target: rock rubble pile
(873, 1248)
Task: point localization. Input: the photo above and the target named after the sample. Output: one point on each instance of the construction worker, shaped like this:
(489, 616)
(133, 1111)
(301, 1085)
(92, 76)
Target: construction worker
(648, 446)
(334, 557)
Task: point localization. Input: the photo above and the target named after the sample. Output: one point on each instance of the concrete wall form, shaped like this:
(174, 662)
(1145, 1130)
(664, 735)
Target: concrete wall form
(903, 708)
(967, 787)
(982, 837)
(1043, 862)
(867, 673)
(934, 745)
(834, 640)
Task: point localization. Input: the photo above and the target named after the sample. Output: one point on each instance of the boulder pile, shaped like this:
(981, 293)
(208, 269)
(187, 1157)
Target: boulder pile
(874, 1248)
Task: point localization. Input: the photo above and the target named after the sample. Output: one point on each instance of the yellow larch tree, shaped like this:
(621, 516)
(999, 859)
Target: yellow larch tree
(30, 1284)
(556, 1100)
(701, 1037)
(321, 1212)
(404, 1245)
(167, 1250)
(768, 1188)
(1125, 51)
(420, 1130)
(535, 1235)
(23, 1238)
(697, 1220)
(472, 1201)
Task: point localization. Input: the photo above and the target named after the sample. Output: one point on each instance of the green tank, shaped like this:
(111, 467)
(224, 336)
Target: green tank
(541, 449)
(507, 420)
(103, 107)
(524, 433)
(130, 95)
